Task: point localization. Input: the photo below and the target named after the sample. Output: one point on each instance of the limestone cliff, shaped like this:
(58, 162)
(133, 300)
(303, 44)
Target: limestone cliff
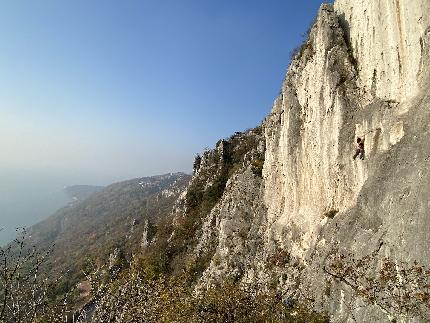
(315, 216)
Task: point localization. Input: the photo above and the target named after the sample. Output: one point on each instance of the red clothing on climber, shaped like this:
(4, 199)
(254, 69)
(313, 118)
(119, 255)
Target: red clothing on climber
(360, 149)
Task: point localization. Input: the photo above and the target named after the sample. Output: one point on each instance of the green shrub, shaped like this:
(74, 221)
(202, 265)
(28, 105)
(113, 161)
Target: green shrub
(257, 167)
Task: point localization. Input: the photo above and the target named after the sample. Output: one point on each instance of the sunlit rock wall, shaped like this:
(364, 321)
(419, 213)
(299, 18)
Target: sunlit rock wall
(387, 38)
(309, 169)
(328, 99)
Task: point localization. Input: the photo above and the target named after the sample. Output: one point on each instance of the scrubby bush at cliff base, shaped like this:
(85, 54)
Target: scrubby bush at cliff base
(399, 289)
(136, 298)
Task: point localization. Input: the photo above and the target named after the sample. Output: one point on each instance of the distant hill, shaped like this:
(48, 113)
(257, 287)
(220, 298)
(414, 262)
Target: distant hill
(86, 232)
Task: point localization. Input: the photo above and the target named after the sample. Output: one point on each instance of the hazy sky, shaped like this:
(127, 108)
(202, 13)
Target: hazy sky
(109, 90)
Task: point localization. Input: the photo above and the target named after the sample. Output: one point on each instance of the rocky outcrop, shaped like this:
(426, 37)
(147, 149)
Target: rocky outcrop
(226, 192)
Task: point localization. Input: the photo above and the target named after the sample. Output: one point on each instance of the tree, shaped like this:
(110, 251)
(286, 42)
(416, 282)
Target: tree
(24, 289)
(399, 289)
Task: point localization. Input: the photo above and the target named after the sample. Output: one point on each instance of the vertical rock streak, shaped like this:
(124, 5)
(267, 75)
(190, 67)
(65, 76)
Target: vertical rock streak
(385, 37)
(310, 171)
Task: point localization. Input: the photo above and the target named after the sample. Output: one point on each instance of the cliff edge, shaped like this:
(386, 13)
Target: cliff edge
(351, 235)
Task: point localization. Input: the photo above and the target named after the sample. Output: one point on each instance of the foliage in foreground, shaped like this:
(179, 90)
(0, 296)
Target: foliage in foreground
(26, 293)
(399, 289)
(136, 298)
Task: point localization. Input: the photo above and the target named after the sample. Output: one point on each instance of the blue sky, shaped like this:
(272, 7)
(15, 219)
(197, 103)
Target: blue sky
(108, 90)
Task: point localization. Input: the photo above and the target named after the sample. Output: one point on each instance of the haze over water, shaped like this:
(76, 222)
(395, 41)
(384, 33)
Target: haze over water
(29, 196)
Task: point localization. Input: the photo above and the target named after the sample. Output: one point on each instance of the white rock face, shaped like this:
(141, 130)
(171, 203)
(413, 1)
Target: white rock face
(330, 98)
(363, 73)
(387, 37)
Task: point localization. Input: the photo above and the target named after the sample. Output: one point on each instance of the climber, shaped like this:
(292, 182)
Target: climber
(360, 149)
